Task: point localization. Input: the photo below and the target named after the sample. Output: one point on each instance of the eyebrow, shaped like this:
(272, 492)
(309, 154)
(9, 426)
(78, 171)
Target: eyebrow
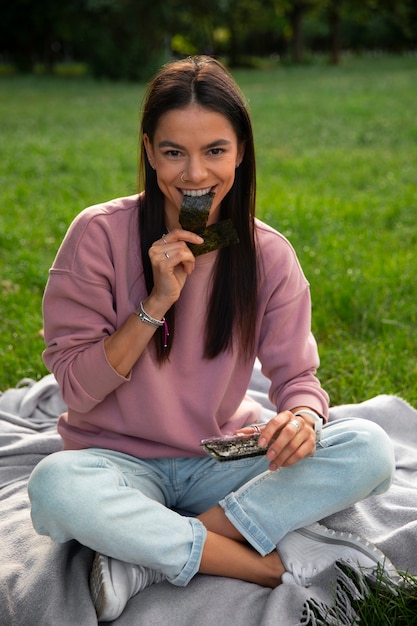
(213, 144)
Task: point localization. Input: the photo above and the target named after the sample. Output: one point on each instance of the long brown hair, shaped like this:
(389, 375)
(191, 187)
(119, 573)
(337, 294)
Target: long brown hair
(231, 314)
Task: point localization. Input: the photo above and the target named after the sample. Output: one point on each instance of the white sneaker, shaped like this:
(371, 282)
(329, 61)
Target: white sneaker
(308, 551)
(113, 583)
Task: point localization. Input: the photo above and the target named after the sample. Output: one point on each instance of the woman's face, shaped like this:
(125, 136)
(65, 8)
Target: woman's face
(199, 144)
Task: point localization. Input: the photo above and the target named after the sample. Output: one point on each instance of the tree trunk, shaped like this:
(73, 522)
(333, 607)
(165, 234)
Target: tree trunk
(296, 18)
(334, 30)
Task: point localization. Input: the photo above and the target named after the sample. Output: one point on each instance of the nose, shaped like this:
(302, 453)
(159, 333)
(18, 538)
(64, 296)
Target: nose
(196, 170)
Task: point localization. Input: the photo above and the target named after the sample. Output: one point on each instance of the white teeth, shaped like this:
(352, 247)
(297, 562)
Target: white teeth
(195, 192)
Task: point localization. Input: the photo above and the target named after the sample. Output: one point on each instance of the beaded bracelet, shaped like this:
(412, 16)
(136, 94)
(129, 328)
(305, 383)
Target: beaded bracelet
(148, 319)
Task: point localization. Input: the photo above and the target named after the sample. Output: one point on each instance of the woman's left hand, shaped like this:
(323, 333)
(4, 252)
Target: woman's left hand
(289, 439)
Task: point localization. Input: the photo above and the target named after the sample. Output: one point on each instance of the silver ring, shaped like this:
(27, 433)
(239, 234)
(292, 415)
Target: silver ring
(256, 427)
(182, 177)
(297, 424)
(167, 257)
(163, 239)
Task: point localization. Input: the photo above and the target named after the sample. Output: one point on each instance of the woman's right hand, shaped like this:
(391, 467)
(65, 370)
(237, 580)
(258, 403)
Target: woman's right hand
(172, 261)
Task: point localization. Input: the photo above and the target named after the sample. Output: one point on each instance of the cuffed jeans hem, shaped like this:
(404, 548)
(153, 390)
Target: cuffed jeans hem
(192, 566)
(250, 531)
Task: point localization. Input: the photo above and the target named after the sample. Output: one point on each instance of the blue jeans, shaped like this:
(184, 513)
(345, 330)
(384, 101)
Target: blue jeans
(129, 508)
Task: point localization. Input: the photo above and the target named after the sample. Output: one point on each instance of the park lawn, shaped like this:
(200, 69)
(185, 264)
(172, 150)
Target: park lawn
(337, 164)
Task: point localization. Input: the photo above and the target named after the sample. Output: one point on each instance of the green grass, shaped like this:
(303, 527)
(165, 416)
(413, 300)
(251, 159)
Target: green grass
(337, 160)
(358, 601)
(337, 174)
(385, 609)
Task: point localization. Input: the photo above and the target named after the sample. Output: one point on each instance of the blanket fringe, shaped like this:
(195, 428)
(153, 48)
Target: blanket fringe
(350, 586)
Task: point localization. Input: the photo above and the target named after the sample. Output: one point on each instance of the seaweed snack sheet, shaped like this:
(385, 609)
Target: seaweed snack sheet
(194, 215)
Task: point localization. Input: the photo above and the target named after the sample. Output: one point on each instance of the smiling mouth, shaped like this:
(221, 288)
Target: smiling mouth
(196, 192)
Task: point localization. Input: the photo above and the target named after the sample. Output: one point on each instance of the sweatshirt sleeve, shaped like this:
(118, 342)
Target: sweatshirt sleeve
(79, 313)
(287, 349)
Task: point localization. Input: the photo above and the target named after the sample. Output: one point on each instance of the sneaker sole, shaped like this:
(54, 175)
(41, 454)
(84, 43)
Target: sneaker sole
(98, 586)
(327, 535)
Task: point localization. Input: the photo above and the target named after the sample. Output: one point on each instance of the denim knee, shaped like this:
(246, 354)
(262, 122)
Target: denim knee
(48, 491)
(369, 452)
(379, 455)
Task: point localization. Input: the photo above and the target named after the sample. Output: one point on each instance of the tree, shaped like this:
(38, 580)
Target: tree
(129, 38)
(244, 18)
(370, 24)
(239, 20)
(39, 32)
(124, 38)
(295, 11)
(334, 14)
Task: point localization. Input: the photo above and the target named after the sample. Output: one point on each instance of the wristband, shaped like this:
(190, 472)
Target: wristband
(318, 422)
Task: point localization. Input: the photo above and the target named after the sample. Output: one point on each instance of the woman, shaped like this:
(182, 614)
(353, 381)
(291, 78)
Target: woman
(153, 347)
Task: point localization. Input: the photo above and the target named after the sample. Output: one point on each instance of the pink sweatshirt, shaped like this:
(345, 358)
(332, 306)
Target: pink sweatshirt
(95, 284)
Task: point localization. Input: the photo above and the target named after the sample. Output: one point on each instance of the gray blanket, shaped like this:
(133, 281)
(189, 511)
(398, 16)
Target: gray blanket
(46, 584)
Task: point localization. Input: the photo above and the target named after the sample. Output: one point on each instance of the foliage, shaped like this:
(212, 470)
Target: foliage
(128, 39)
(119, 43)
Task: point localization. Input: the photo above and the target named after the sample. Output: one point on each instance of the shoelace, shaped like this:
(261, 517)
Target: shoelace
(304, 576)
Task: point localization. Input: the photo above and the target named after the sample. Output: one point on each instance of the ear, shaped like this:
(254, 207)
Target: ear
(240, 153)
(149, 150)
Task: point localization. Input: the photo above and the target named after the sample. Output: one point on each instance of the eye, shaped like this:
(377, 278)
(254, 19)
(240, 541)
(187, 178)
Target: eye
(216, 151)
(173, 153)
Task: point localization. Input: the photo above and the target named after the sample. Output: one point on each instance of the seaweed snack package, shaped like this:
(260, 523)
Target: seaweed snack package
(233, 447)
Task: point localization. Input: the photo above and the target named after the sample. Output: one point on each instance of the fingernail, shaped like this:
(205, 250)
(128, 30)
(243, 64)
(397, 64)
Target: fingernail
(261, 442)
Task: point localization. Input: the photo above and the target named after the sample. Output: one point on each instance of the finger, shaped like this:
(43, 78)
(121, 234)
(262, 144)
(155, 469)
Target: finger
(159, 242)
(253, 428)
(284, 420)
(292, 445)
(273, 428)
(173, 248)
(288, 437)
(176, 235)
(288, 458)
(178, 254)
(179, 234)
(172, 262)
